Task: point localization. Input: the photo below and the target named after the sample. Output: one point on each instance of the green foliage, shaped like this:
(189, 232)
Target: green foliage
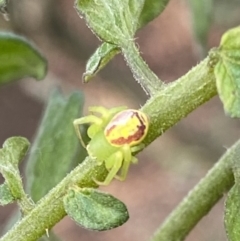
(56, 148)
(18, 59)
(95, 210)
(201, 17)
(6, 196)
(138, 14)
(150, 10)
(119, 18)
(227, 72)
(99, 59)
(14, 149)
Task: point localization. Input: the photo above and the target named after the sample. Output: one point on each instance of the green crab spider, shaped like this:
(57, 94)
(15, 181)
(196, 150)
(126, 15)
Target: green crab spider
(115, 135)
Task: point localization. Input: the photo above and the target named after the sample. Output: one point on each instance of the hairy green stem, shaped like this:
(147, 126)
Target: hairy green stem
(179, 98)
(49, 210)
(25, 204)
(165, 109)
(141, 72)
(200, 200)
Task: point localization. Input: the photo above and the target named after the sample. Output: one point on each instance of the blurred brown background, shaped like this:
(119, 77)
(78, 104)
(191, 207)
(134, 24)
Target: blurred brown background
(171, 165)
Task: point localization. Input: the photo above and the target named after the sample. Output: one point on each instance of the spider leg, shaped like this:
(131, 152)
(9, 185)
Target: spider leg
(127, 159)
(98, 109)
(134, 160)
(106, 113)
(113, 164)
(115, 110)
(84, 120)
(137, 148)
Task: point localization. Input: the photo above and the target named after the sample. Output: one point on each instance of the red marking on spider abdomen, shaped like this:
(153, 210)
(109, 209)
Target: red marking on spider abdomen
(127, 127)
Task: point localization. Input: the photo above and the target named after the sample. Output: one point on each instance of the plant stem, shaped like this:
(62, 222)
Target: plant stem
(165, 109)
(179, 98)
(141, 72)
(25, 204)
(200, 200)
(15, 185)
(49, 210)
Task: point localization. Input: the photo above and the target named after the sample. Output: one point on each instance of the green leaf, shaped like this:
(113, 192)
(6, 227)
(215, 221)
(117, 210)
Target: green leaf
(99, 59)
(232, 214)
(56, 147)
(117, 21)
(18, 59)
(144, 13)
(11, 154)
(113, 21)
(95, 210)
(120, 25)
(202, 18)
(13, 151)
(6, 196)
(16, 148)
(151, 9)
(227, 72)
(230, 40)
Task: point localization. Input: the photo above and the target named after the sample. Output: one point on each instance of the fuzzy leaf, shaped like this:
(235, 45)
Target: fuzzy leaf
(99, 59)
(15, 148)
(11, 154)
(13, 151)
(113, 21)
(18, 59)
(56, 147)
(95, 210)
(5, 195)
(202, 18)
(230, 40)
(141, 11)
(227, 72)
(151, 9)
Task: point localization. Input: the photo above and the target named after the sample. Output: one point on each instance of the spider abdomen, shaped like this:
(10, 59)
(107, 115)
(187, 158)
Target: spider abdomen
(127, 127)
